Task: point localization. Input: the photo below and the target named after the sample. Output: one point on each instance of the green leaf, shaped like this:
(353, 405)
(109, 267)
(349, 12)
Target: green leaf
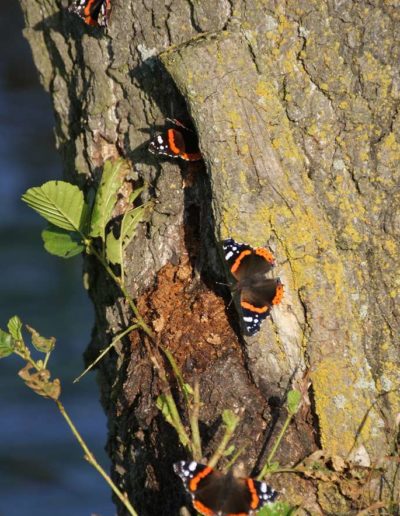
(277, 509)
(230, 419)
(106, 196)
(60, 203)
(185, 387)
(272, 466)
(41, 343)
(293, 401)
(62, 243)
(14, 326)
(162, 405)
(115, 246)
(229, 450)
(135, 194)
(113, 249)
(6, 344)
(188, 389)
(129, 223)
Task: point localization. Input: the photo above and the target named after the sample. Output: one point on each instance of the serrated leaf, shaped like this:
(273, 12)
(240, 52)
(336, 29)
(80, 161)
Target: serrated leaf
(62, 243)
(113, 249)
(277, 509)
(293, 401)
(106, 196)
(42, 344)
(60, 203)
(115, 246)
(129, 223)
(39, 381)
(6, 344)
(14, 326)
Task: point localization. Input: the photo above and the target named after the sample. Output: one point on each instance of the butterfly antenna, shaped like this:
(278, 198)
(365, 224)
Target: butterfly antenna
(225, 284)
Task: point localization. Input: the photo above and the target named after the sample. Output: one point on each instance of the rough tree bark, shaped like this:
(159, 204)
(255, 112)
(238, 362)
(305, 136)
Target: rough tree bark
(296, 105)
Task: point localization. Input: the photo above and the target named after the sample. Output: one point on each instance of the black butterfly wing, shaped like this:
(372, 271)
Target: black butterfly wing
(237, 497)
(256, 301)
(216, 494)
(204, 484)
(245, 261)
(102, 18)
(93, 12)
(178, 141)
(265, 493)
(210, 494)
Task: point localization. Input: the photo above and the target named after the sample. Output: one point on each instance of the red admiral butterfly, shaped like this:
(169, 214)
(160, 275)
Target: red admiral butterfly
(249, 266)
(216, 494)
(93, 12)
(178, 141)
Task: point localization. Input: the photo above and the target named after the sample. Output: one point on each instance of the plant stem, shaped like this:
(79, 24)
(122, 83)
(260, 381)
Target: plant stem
(91, 459)
(177, 422)
(177, 373)
(27, 358)
(194, 410)
(234, 459)
(275, 447)
(229, 431)
(121, 286)
(46, 359)
(169, 399)
(106, 350)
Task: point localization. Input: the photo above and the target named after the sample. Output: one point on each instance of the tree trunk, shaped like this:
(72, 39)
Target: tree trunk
(296, 105)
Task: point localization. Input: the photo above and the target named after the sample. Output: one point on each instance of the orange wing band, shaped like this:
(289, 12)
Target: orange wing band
(235, 266)
(202, 509)
(195, 480)
(253, 308)
(261, 251)
(254, 497)
(171, 142)
(279, 295)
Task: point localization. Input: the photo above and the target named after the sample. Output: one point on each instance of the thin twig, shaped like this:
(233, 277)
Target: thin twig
(234, 458)
(194, 409)
(106, 350)
(169, 399)
(28, 358)
(46, 359)
(275, 447)
(92, 460)
(177, 373)
(229, 431)
(121, 286)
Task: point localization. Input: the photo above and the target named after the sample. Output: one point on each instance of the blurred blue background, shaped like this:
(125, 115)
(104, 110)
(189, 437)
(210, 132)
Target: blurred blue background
(42, 471)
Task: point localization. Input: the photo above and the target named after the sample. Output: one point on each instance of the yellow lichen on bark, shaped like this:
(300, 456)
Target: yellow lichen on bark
(262, 194)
